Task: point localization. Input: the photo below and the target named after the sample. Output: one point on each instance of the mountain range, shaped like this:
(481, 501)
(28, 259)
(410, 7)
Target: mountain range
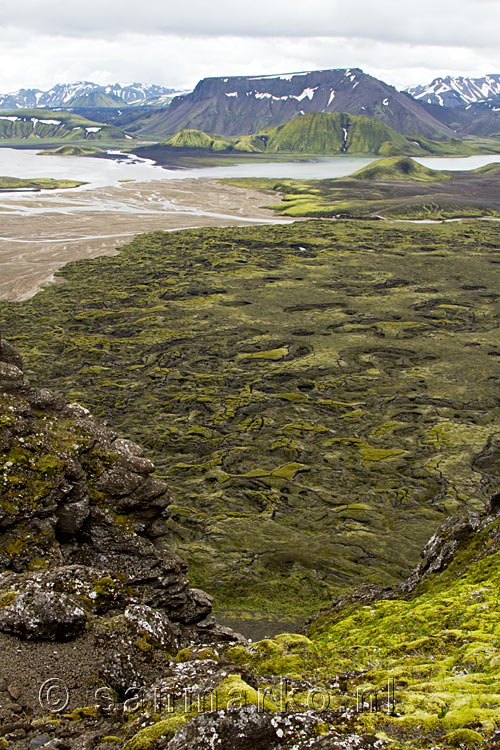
(246, 105)
(458, 91)
(88, 94)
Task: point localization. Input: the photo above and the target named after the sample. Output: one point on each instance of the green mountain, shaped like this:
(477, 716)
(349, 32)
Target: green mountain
(319, 133)
(43, 125)
(191, 138)
(322, 133)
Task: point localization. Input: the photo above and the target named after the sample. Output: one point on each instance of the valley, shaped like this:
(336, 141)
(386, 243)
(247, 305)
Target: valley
(328, 381)
(249, 384)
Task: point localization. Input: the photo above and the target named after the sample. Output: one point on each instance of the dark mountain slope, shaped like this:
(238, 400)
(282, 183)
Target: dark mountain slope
(243, 105)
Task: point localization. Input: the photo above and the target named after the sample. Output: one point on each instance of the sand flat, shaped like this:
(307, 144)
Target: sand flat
(40, 233)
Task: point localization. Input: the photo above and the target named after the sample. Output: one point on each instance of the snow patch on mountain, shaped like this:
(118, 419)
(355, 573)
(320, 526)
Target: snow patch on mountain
(62, 95)
(456, 91)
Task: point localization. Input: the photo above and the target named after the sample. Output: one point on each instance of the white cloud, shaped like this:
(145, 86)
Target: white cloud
(177, 44)
(443, 22)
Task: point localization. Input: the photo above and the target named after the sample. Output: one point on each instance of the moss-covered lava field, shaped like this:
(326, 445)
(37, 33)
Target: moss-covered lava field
(315, 393)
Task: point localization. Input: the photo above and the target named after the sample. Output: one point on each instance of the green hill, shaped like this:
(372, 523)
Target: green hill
(43, 125)
(191, 138)
(399, 168)
(322, 133)
(492, 169)
(318, 133)
(72, 151)
(14, 184)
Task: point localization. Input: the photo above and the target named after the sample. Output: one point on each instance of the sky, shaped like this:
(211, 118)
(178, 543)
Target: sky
(175, 43)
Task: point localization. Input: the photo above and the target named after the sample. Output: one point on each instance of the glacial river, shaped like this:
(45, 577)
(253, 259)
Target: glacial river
(98, 172)
(125, 196)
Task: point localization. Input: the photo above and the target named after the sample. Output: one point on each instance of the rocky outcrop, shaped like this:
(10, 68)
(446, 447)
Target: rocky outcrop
(74, 493)
(254, 730)
(439, 552)
(88, 576)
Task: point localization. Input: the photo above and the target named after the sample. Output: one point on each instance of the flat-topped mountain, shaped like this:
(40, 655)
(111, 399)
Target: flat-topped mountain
(245, 104)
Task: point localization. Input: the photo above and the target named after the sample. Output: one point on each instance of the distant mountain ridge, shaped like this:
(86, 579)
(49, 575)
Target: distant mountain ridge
(86, 93)
(246, 104)
(457, 91)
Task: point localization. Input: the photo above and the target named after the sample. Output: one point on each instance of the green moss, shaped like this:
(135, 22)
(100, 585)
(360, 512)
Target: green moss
(143, 645)
(184, 655)
(86, 712)
(124, 522)
(380, 454)
(273, 354)
(48, 464)
(287, 654)
(233, 692)
(147, 738)
(7, 598)
(105, 586)
(464, 738)
(266, 450)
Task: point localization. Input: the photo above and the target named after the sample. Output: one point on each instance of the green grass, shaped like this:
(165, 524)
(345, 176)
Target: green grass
(441, 647)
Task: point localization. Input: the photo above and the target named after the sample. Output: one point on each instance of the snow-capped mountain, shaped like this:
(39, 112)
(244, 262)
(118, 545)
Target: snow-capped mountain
(246, 104)
(455, 92)
(86, 93)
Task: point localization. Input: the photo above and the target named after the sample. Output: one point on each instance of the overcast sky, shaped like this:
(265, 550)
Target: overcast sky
(43, 42)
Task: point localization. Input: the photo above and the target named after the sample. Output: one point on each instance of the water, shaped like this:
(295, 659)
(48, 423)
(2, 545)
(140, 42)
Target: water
(100, 172)
(456, 163)
(25, 163)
